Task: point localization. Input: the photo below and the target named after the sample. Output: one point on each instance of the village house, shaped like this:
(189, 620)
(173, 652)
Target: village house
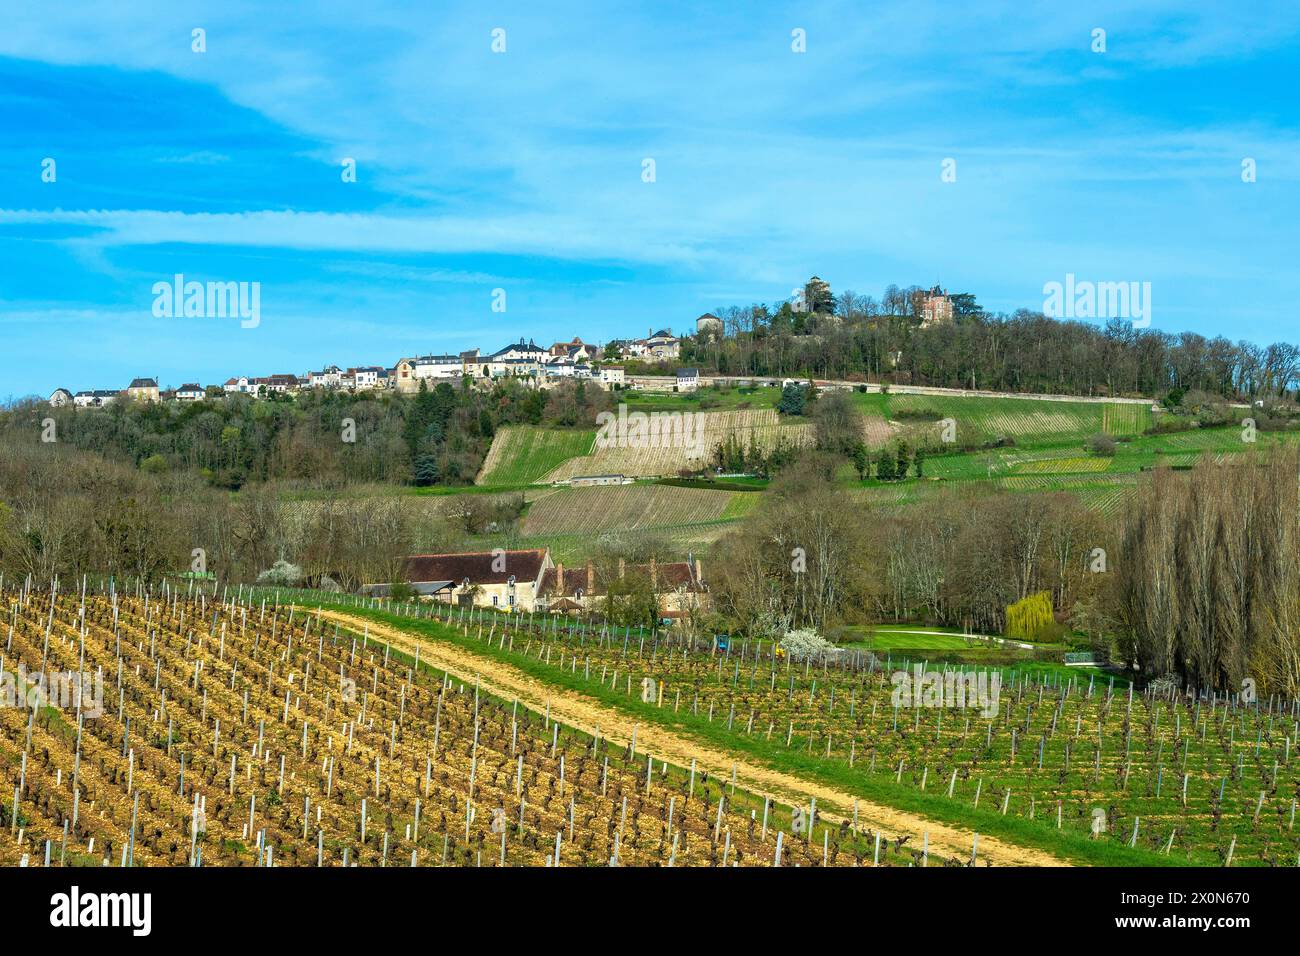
(688, 379)
(402, 377)
(237, 385)
(560, 369)
(270, 385)
(95, 399)
(566, 369)
(189, 392)
(143, 390)
(662, 346)
(507, 580)
(519, 350)
(575, 351)
(60, 397)
(612, 375)
(494, 367)
(369, 377)
(678, 586)
(331, 376)
(409, 372)
(281, 383)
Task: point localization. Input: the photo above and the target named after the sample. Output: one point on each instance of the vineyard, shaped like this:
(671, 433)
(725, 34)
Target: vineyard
(522, 454)
(1137, 776)
(246, 733)
(762, 428)
(1024, 420)
(628, 508)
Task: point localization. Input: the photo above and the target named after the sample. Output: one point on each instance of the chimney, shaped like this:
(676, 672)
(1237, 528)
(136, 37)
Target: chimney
(654, 576)
(591, 577)
(622, 566)
(559, 578)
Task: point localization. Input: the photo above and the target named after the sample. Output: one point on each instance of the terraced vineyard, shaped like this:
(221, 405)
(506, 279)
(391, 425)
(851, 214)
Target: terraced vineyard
(761, 427)
(241, 734)
(1125, 419)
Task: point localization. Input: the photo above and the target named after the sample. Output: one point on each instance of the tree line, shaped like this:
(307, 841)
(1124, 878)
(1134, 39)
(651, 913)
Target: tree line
(1197, 580)
(318, 438)
(854, 337)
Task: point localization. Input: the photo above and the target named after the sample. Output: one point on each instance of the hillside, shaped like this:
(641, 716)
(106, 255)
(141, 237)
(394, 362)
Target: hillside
(523, 454)
(980, 419)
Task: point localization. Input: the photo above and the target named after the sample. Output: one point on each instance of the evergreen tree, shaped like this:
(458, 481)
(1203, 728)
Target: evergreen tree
(903, 460)
(885, 465)
(861, 462)
(794, 398)
(425, 470)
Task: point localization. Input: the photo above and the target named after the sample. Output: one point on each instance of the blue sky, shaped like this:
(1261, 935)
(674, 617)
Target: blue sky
(522, 170)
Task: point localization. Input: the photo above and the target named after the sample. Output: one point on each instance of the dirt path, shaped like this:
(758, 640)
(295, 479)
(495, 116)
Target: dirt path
(588, 716)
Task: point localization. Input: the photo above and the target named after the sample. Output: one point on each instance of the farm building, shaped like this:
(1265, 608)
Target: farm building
(587, 481)
(678, 585)
(501, 579)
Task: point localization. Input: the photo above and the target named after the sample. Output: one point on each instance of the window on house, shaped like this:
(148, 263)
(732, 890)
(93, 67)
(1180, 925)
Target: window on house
(495, 599)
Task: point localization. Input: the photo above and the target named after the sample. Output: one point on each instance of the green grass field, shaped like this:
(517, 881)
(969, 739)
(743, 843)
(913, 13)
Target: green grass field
(703, 400)
(625, 508)
(1024, 420)
(523, 453)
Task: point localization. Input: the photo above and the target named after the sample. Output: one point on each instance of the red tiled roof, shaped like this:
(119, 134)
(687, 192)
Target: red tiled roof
(477, 566)
(672, 576)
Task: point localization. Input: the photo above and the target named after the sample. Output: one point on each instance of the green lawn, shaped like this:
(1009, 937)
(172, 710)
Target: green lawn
(1024, 420)
(703, 400)
(522, 454)
(883, 639)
